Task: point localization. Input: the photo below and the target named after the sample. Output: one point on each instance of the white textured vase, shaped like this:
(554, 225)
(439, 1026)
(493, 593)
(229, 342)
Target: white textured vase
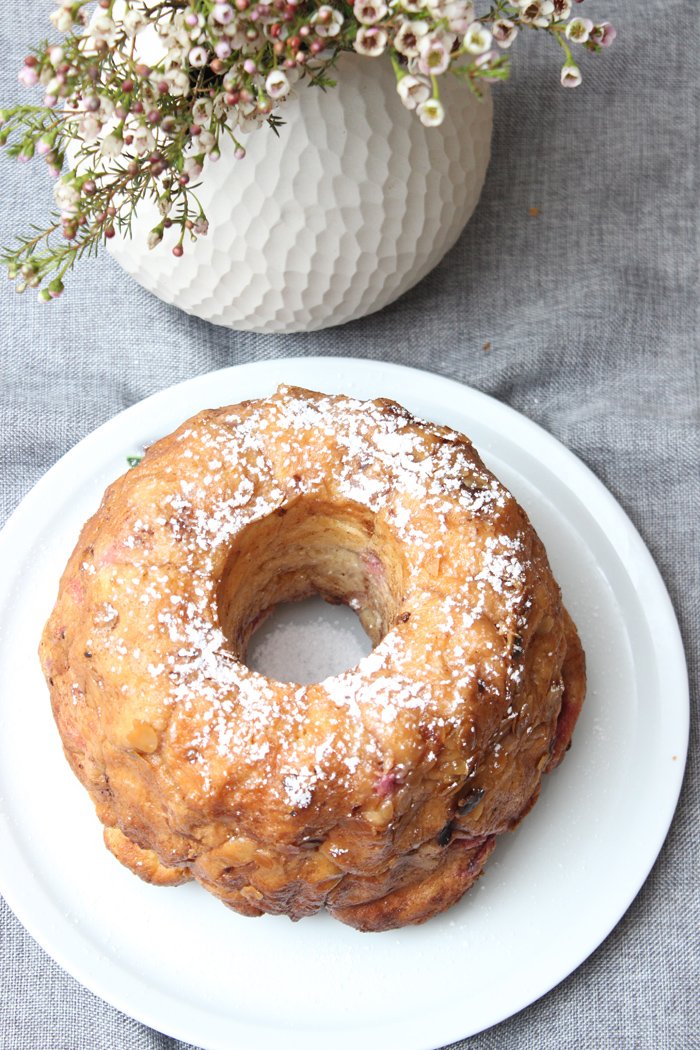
(352, 205)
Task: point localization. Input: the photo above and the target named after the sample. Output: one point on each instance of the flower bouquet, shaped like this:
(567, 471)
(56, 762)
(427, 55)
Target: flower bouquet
(140, 94)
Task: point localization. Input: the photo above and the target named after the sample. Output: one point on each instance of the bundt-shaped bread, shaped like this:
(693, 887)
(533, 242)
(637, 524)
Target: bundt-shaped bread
(378, 793)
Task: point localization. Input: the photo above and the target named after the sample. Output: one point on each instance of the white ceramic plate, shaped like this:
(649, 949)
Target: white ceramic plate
(176, 959)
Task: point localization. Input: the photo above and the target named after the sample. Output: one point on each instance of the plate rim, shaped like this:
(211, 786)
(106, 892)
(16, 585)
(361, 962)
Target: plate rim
(560, 455)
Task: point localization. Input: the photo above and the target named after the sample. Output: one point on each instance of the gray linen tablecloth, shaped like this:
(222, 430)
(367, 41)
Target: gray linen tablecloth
(590, 309)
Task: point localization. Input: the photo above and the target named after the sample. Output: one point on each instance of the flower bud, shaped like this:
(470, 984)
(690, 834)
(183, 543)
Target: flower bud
(155, 237)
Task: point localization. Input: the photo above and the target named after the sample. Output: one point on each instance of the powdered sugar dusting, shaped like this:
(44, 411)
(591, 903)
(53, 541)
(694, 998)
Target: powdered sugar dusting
(232, 468)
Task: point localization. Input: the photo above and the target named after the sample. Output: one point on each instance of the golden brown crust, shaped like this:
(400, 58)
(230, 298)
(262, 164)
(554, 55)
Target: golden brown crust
(378, 793)
(143, 862)
(461, 864)
(573, 674)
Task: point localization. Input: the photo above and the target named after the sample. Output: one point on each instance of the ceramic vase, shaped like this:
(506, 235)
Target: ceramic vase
(352, 204)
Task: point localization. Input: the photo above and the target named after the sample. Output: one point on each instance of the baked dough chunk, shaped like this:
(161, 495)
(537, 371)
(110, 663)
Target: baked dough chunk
(378, 793)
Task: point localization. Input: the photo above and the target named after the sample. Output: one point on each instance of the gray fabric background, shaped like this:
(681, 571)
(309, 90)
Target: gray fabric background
(591, 310)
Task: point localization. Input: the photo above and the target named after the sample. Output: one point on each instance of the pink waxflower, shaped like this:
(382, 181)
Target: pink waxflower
(433, 54)
(223, 14)
(369, 12)
(28, 76)
(327, 21)
(413, 90)
(603, 34)
(370, 41)
(504, 32)
(485, 63)
(538, 13)
(409, 37)
(458, 14)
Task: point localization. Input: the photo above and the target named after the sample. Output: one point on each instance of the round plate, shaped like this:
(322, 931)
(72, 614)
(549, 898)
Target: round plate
(177, 959)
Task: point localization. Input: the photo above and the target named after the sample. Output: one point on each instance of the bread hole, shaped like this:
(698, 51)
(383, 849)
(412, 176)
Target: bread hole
(306, 595)
(307, 642)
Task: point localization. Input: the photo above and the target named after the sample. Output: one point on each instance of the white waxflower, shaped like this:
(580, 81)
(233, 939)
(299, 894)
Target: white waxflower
(579, 30)
(48, 71)
(504, 32)
(178, 82)
(562, 9)
(56, 54)
(102, 29)
(459, 14)
(66, 196)
(327, 21)
(276, 84)
(413, 90)
(202, 110)
(61, 19)
(134, 21)
(570, 75)
(538, 13)
(251, 43)
(174, 57)
(206, 141)
(194, 166)
(431, 112)
(89, 128)
(369, 12)
(235, 35)
(370, 41)
(182, 39)
(477, 39)
(248, 122)
(112, 145)
(434, 54)
(166, 32)
(143, 140)
(220, 106)
(413, 7)
(408, 37)
(107, 108)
